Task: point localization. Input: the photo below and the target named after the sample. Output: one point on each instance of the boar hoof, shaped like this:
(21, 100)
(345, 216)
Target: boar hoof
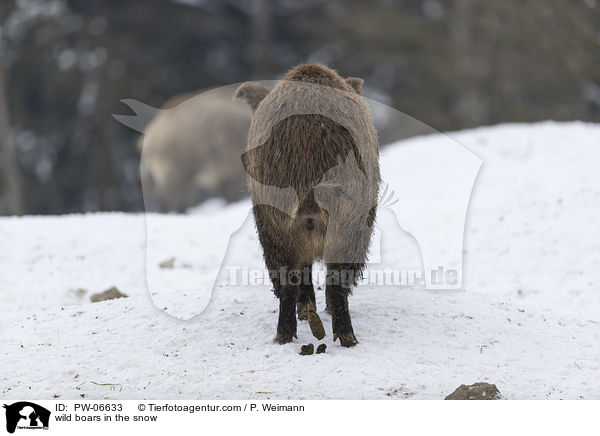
(346, 339)
(284, 338)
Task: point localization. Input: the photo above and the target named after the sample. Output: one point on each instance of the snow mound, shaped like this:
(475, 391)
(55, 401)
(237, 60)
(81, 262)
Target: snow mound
(526, 320)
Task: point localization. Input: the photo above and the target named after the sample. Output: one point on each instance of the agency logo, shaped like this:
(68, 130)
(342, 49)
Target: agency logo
(26, 415)
(426, 189)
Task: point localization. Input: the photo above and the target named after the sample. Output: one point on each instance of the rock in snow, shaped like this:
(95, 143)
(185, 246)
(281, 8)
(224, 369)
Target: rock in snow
(476, 391)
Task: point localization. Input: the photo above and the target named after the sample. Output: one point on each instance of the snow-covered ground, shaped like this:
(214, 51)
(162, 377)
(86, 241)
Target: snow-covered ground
(527, 318)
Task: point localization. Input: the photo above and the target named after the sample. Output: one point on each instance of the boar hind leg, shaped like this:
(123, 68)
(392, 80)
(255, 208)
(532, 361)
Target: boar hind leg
(306, 293)
(287, 292)
(286, 326)
(337, 290)
(328, 301)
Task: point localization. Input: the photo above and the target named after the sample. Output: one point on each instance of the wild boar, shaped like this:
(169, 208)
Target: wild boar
(190, 151)
(312, 134)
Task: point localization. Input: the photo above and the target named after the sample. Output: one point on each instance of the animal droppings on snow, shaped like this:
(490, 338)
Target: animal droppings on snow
(307, 350)
(109, 294)
(167, 264)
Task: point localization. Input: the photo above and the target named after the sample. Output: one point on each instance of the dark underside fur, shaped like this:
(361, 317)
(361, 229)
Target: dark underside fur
(312, 133)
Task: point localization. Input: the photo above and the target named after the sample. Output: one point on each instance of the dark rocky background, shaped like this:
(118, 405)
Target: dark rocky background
(455, 64)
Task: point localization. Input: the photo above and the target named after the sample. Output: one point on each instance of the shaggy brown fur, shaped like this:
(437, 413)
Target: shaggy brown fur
(312, 133)
(190, 151)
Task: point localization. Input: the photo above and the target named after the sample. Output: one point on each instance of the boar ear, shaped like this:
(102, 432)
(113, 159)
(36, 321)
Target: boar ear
(356, 83)
(253, 93)
(245, 161)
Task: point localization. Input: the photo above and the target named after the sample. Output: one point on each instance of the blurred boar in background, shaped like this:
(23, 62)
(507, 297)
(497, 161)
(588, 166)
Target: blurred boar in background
(191, 151)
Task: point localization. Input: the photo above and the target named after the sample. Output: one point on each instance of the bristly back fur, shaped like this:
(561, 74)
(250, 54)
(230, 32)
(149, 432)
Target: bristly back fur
(327, 124)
